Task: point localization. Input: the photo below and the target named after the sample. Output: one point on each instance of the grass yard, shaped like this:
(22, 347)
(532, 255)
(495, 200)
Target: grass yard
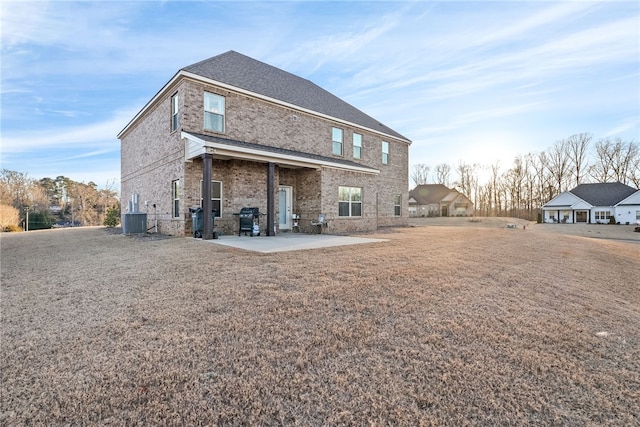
(462, 324)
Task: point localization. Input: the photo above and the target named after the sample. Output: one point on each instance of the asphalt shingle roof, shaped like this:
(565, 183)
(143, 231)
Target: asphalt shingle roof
(603, 194)
(277, 150)
(243, 72)
(426, 194)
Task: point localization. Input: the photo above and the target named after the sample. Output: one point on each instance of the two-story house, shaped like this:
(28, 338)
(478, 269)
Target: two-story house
(247, 134)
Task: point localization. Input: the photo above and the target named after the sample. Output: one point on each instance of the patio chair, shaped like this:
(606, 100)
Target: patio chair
(321, 222)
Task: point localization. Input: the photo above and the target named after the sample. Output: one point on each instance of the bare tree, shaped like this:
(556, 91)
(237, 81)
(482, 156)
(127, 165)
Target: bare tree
(443, 171)
(420, 173)
(466, 178)
(558, 164)
(577, 146)
(616, 161)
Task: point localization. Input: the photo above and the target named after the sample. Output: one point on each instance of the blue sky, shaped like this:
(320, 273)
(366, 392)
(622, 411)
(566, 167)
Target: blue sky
(465, 81)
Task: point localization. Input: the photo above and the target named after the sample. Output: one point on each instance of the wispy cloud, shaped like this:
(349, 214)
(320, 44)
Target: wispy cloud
(99, 134)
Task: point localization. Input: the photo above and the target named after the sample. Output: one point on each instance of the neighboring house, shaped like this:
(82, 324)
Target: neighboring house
(261, 137)
(438, 200)
(595, 203)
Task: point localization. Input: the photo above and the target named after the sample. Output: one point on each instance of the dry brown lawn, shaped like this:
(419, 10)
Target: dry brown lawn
(459, 325)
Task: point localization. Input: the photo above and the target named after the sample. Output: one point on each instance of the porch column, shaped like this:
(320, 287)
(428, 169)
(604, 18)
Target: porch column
(271, 213)
(207, 225)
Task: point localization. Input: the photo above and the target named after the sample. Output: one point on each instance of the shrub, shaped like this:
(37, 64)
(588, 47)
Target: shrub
(539, 220)
(612, 220)
(112, 218)
(12, 228)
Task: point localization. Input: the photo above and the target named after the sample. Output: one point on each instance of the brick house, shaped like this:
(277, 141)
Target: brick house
(438, 200)
(252, 135)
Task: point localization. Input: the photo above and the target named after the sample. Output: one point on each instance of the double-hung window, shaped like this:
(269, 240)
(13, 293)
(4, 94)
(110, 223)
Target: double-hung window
(175, 194)
(357, 146)
(175, 120)
(336, 136)
(216, 196)
(349, 201)
(397, 203)
(213, 112)
(385, 153)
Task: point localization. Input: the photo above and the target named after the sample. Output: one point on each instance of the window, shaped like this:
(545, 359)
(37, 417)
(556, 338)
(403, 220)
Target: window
(638, 216)
(603, 215)
(175, 194)
(213, 112)
(397, 202)
(357, 146)
(336, 135)
(385, 152)
(216, 197)
(175, 121)
(349, 201)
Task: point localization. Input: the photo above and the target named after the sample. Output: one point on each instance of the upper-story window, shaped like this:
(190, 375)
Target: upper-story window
(357, 146)
(175, 120)
(385, 152)
(336, 136)
(213, 112)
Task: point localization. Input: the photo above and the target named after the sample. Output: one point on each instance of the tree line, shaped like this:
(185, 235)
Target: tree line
(52, 202)
(535, 178)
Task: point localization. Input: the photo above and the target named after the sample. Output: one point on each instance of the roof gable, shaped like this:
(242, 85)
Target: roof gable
(633, 199)
(564, 200)
(237, 70)
(603, 194)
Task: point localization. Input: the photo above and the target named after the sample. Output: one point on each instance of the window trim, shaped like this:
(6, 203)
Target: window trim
(175, 195)
(175, 110)
(221, 114)
(350, 203)
(335, 143)
(385, 153)
(218, 213)
(397, 205)
(357, 146)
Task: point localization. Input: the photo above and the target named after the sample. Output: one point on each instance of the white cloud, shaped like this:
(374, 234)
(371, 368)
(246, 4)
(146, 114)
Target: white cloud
(99, 134)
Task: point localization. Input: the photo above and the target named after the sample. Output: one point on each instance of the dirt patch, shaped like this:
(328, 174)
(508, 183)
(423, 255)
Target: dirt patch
(441, 325)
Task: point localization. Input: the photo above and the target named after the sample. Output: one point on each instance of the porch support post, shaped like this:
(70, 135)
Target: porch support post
(207, 225)
(270, 202)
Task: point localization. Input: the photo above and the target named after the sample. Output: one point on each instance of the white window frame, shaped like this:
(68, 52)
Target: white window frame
(337, 142)
(216, 202)
(175, 195)
(220, 111)
(351, 202)
(357, 146)
(175, 108)
(385, 153)
(397, 205)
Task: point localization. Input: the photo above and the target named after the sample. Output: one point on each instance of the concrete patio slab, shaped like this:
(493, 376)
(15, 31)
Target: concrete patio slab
(290, 242)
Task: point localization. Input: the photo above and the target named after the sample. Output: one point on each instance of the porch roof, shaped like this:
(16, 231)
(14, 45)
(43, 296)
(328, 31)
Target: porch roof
(223, 148)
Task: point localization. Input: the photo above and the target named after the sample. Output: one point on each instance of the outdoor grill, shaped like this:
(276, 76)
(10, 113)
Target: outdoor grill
(249, 221)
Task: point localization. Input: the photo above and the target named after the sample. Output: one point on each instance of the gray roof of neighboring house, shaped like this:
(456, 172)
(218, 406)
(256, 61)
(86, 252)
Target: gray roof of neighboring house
(426, 194)
(603, 194)
(243, 72)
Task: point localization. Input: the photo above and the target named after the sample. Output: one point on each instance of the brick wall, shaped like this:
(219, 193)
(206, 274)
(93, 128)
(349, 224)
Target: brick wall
(152, 156)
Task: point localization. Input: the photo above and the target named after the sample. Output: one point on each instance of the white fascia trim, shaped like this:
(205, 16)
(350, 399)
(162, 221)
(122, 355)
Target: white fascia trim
(284, 104)
(150, 103)
(259, 155)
